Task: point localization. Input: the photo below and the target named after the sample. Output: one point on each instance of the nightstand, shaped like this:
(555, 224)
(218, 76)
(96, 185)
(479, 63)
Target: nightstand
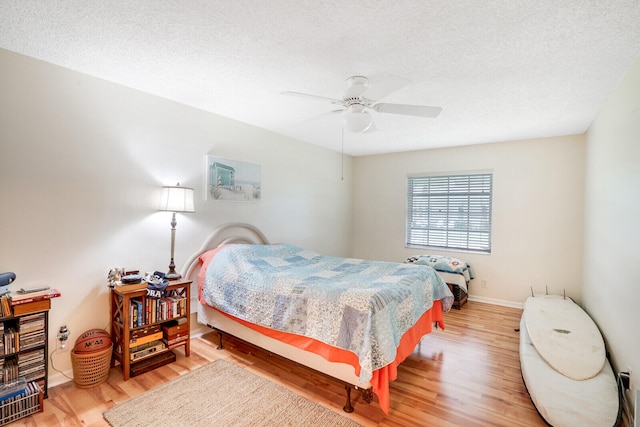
(137, 323)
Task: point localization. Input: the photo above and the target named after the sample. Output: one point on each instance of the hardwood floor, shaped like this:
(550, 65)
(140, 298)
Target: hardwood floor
(466, 375)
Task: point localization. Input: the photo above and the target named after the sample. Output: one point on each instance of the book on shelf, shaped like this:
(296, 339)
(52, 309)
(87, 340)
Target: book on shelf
(32, 291)
(147, 330)
(12, 388)
(135, 341)
(145, 350)
(17, 299)
(5, 307)
(144, 310)
(128, 287)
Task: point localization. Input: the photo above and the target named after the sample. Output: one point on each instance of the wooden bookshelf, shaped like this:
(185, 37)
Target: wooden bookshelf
(137, 323)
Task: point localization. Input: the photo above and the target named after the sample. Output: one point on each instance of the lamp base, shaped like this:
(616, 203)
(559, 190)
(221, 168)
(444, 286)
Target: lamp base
(172, 276)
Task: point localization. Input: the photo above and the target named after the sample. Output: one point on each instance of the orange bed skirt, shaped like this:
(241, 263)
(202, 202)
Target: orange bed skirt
(381, 377)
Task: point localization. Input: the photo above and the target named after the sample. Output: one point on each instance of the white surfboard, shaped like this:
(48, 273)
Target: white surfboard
(562, 401)
(565, 336)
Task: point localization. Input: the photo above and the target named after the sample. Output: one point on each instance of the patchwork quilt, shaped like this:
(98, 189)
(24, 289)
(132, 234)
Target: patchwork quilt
(357, 305)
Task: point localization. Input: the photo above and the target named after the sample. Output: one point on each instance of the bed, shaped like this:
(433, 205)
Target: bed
(360, 349)
(455, 272)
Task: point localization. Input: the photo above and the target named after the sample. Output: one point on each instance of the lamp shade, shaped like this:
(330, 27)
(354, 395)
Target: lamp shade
(177, 199)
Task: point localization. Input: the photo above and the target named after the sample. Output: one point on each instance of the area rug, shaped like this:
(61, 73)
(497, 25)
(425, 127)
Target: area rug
(222, 394)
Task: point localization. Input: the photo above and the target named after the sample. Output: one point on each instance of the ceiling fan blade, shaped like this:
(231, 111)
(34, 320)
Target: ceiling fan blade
(381, 87)
(324, 119)
(408, 110)
(315, 97)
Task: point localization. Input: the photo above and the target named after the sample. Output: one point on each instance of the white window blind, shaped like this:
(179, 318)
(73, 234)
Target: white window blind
(450, 212)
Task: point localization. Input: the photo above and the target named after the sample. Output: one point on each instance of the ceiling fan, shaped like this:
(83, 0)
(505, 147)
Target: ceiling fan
(360, 97)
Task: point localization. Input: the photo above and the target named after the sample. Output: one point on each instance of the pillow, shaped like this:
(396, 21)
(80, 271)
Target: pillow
(440, 263)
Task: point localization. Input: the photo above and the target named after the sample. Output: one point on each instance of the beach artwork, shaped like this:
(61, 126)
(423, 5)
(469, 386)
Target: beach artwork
(232, 180)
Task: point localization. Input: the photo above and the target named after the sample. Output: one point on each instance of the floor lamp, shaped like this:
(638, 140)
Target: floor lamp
(175, 199)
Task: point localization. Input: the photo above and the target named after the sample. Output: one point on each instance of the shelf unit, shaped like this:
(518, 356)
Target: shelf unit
(134, 315)
(25, 349)
(23, 360)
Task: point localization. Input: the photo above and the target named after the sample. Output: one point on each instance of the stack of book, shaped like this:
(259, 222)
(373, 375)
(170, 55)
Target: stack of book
(148, 350)
(145, 335)
(9, 370)
(24, 302)
(31, 364)
(31, 331)
(10, 340)
(145, 310)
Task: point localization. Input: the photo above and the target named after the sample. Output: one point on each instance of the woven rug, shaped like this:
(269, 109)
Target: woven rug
(221, 394)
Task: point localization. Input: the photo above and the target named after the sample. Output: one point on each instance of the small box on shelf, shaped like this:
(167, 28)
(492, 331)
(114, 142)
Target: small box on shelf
(174, 327)
(152, 363)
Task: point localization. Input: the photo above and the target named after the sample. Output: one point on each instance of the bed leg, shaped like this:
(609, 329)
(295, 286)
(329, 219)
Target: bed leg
(368, 395)
(220, 347)
(348, 407)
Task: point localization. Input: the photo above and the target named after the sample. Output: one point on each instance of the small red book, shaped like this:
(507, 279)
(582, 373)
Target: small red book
(25, 298)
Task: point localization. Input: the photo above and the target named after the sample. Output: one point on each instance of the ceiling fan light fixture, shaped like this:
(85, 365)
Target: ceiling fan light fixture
(356, 119)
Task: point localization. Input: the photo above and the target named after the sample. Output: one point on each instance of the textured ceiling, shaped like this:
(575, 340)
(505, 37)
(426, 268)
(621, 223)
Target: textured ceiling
(501, 70)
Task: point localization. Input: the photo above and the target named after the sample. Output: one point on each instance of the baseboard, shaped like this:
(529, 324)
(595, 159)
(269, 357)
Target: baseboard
(494, 301)
(59, 378)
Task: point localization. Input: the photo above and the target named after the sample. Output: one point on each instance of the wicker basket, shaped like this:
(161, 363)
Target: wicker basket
(91, 369)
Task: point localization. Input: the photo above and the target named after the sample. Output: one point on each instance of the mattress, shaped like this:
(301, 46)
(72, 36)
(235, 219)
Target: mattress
(455, 279)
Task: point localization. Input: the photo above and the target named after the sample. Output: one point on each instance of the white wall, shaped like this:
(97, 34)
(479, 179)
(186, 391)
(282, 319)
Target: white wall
(612, 224)
(537, 212)
(82, 161)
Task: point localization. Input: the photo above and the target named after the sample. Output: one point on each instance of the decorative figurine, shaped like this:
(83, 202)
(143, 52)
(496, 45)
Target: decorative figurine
(115, 277)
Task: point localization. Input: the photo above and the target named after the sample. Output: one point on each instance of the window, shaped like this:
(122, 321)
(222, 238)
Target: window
(450, 212)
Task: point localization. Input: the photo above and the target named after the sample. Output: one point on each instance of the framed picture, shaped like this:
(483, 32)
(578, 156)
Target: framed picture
(232, 180)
